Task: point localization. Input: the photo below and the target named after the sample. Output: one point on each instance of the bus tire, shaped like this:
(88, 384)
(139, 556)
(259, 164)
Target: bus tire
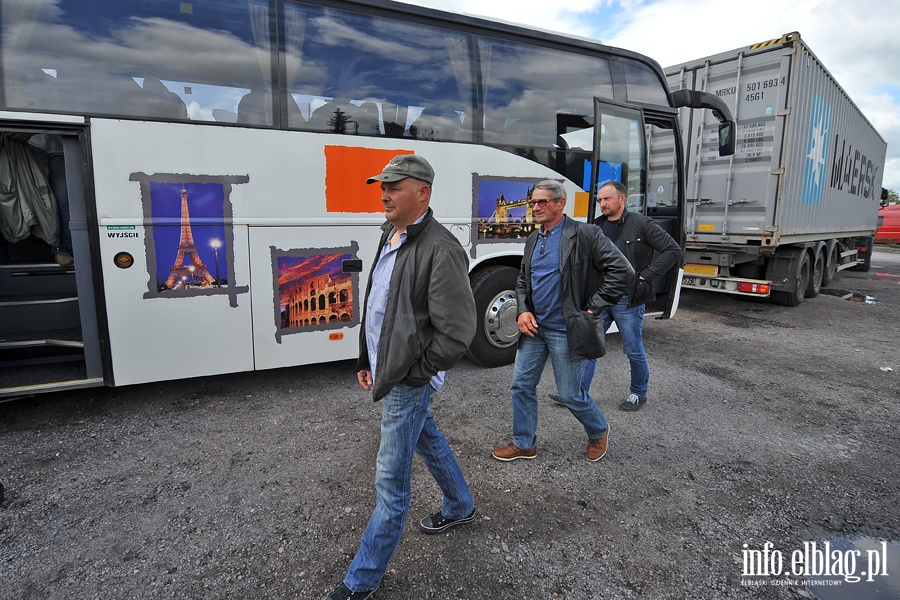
(832, 255)
(816, 272)
(496, 333)
(801, 280)
(864, 259)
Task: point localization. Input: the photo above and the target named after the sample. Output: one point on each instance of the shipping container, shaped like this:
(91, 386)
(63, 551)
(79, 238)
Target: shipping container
(798, 201)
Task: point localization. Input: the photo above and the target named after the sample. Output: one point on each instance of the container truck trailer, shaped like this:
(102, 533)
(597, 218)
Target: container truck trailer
(798, 200)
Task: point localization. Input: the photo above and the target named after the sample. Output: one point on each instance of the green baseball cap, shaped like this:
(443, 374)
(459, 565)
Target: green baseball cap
(403, 166)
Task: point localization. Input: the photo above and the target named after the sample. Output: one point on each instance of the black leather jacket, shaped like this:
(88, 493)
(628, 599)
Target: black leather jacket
(638, 237)
(429, 320)
(593, 274)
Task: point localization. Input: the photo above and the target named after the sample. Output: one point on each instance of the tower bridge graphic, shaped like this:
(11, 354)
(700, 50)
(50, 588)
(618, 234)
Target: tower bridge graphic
(501, 225)
(194, 270)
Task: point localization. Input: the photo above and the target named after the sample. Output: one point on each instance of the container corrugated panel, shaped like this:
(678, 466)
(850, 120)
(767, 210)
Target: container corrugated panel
(808, 164)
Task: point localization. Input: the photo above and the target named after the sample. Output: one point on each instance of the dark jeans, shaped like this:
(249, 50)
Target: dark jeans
(630, 322)
(57, 178)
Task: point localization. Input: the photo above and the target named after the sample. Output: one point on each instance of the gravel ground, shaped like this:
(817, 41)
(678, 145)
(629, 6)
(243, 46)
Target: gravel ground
(765, 424)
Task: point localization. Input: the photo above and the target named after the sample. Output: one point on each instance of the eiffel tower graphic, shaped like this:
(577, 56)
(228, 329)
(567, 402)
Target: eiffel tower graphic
(186, 248)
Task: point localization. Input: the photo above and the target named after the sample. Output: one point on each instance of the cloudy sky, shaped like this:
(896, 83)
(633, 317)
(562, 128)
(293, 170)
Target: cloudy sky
(858, 41)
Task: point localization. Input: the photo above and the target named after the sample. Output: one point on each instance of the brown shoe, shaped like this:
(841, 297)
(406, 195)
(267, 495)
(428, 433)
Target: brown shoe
(64, 259)
(512, 452)
(596, 449)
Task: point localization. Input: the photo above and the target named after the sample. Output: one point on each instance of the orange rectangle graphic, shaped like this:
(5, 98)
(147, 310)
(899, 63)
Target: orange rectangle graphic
(346, 171)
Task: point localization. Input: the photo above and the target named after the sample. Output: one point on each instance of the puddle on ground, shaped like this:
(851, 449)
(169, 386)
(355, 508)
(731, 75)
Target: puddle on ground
(874, 562)
(850, 295)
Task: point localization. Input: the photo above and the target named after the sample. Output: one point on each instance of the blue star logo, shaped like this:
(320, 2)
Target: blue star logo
(816, 151)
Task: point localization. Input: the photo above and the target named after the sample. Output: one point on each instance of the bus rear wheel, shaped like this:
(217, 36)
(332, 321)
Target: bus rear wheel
(497, 332)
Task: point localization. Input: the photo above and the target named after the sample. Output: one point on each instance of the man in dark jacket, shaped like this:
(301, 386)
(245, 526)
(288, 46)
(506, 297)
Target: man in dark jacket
(570, 273)
(418, 322)
(651, 252)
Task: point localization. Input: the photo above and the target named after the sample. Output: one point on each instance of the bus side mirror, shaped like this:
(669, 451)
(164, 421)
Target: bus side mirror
(726, 138)
(705, 100)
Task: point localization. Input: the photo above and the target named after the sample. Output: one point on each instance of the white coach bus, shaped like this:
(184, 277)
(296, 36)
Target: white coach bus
(213, 154)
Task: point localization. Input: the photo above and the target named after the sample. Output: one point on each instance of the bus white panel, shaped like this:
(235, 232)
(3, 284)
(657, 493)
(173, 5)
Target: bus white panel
(186, 332)
(198, 208)
(306, 309)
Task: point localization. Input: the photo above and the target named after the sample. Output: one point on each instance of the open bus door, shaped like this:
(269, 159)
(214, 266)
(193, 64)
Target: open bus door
(49, 317)
(641, 148)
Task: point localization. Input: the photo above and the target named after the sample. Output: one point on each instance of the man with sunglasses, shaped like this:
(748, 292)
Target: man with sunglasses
(570, 272)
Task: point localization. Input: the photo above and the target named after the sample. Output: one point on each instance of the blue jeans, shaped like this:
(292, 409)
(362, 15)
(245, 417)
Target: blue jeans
(531, 358)
(407, 426)
(630, 322)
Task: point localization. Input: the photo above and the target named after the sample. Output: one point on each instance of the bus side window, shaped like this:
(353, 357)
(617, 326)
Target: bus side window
(350, 118)
(435, 127)
(518, 133)
(295, 115)
(160, 102)
(520, 87)
(394, 119)
(255, 108)
(335, 117)
(367, 119)
(413, 65)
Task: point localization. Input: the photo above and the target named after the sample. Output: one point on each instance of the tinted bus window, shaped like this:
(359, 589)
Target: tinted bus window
(358, 74)
(146, 58)
(643, 84)
(532, 94)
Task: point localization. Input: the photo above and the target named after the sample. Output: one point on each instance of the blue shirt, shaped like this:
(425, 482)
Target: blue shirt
(376, 306)
(546, 280)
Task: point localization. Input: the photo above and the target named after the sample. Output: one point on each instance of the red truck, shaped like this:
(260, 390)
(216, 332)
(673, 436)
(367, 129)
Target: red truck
(888, 225)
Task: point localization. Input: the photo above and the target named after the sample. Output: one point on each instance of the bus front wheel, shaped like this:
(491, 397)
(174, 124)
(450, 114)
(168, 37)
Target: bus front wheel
(494, 289)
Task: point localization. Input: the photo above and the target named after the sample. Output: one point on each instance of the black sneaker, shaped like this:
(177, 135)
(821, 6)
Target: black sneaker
(342, 592)
(437, 522)
(633, 403)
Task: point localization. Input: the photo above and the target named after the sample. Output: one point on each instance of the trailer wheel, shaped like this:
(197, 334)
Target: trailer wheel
(864, 259)
(832, 255)
(801, 282)
(496, 332)
(816, 273)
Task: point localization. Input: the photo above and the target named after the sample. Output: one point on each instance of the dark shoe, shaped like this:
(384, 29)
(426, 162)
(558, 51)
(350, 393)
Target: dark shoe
(556, 399)
(633, 403)
(596, 449)
(437, 522)
(64, 259)
(512, 452)
(342, 592)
